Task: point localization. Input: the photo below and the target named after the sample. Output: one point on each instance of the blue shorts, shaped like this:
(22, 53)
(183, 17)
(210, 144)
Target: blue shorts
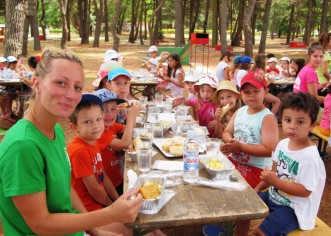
(281, 219)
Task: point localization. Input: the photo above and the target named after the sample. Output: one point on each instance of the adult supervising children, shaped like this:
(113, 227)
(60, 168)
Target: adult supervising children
(35, 193)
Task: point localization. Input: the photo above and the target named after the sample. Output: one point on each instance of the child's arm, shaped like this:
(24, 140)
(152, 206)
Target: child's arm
(269, 137)
(227, 73)
(180, 100)
(126, 139)
(109, 187)
(216, 125)
(263, 185)
(294, 189)
(94, 189)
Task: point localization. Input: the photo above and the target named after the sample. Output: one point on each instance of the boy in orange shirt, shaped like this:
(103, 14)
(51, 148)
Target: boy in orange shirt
(88, 179)
(109, 141)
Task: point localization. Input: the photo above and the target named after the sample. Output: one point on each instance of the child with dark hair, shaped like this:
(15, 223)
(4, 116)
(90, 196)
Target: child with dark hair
(297, 177)
(175, 76)
(223, 67)
(296, 65)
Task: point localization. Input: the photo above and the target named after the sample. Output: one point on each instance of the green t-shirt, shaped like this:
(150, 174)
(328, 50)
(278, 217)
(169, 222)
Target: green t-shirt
(321, 78)
(30, 163)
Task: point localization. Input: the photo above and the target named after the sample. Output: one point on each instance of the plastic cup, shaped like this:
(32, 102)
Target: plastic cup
(213, 146)
(157, 130)
(176, 129)
(144, 158)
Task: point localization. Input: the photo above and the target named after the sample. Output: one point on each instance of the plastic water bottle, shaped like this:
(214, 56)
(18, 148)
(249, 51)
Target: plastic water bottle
(191, 158)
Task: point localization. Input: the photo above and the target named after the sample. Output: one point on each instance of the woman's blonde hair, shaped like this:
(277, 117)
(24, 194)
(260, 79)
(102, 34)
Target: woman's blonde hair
(45, 65)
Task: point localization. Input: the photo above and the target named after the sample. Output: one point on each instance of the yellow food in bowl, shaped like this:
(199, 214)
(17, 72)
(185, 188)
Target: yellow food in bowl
(215, 164)
(150, 190)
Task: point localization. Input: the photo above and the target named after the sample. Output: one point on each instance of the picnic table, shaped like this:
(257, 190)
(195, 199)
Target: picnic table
(14, 83)
(138, 86)
(193, 204)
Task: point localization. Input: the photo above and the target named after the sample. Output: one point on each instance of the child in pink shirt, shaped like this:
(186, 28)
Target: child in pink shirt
(203, 106)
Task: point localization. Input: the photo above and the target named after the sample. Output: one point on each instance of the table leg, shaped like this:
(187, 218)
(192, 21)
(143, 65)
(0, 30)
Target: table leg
(229, 228)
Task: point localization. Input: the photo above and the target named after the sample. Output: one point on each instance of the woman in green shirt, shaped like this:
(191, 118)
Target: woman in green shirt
(36, 197)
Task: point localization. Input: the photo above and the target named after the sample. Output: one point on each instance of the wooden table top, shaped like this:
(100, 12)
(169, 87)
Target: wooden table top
(15, 82)
(198, 204)
(144, 82)
(285, 81)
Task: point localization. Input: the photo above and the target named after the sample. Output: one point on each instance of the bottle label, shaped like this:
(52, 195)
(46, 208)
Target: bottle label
(191, 161)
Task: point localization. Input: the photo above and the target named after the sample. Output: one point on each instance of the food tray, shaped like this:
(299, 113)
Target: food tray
(151, 205)
(158, 142)
(221, 174)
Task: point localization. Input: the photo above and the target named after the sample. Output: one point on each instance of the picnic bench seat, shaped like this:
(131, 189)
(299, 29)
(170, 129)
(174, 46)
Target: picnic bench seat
(322, 140)
(321, 229)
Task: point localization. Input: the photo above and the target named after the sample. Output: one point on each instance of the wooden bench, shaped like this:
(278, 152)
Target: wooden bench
(322, 140)
(321, 229)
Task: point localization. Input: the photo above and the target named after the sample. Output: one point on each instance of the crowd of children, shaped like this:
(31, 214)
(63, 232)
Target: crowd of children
(234, 106)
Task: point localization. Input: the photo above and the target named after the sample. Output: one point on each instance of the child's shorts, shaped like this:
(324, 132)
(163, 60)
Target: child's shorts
(281, 219)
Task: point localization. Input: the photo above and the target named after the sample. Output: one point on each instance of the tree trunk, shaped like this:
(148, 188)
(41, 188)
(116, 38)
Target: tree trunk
(309, 22)
(35, 29)
(142, 13)
(83, 8)
(150, 23)
(237, 36)
(26, 27)
(264, 32)
(324, 16)
(253, 23)
(42, 22)
(224, 24)
(179, 32)
(247, 28)
(290, 25)
(98, 21)
(205, 22)
(133, 20)
(157, 24)
(68, 22)
(106, 21)
(63, 10)
(194, 14)
(214, 8)
(273, 24)
(182, 35)
(117, 13)
(15, 16)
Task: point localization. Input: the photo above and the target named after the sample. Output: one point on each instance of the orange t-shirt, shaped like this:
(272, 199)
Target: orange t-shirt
(85, 161)
(111, 162)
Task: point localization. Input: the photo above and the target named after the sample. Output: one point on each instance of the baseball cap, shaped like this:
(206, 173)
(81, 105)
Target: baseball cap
(236, 59)
(113, 73)
(111, 54)
(38, 58)
(152, 49)
(2, 59)
(105, 95)
(224, 85)
(246, 59)
(206, 79)
(91, 98)
(272, 59)
(249, 78)
(285, 59)
(11, 59)
(191, 76)
(103, 71)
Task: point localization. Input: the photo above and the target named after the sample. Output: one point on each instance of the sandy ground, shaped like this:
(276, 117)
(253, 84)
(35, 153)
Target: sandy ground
(133, 53)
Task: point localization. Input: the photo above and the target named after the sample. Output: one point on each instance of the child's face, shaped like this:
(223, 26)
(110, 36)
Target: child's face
(284, 64)
(206, 92)
(153, 54)
(252, 96)
(171, 62)
(109, 113)
(227, 97)
(121, 86)
(190, 86)
(294, 66)
(315, 59)
(90, 125)
(296, 124)
(271, 64)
